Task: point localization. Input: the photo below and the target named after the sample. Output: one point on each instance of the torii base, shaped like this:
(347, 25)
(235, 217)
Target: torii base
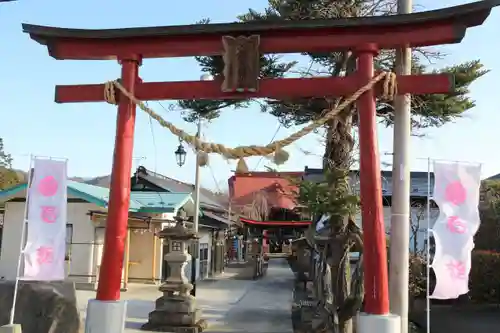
(370, 323)
(105, 316)
(14, 328)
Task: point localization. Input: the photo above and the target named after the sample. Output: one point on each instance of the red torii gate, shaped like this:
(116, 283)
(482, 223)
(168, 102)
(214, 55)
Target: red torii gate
(365, 36)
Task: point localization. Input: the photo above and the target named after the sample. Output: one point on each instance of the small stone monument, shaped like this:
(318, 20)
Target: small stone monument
(176, 310)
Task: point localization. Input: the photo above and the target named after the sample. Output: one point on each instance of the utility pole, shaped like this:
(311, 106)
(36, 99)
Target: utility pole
(196, 218)
(400, 211)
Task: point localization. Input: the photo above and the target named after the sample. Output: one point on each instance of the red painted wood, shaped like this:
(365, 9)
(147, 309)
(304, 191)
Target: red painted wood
(277, 223)
(375, 258)
(110, 274)
(271, 88)
(294, 41)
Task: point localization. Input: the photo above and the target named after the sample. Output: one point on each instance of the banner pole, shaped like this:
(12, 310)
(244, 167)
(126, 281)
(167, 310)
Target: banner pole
(21, 245)
(428, 266)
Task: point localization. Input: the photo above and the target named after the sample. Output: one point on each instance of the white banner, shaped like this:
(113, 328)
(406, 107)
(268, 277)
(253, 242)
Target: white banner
(456, 192)
(47, 214)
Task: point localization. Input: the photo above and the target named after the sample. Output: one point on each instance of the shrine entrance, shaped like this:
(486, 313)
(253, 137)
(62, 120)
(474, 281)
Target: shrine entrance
(241, 45)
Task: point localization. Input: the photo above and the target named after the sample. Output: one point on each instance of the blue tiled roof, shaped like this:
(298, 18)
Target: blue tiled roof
(95, 194)
(159, 201)
(207, 198)
(148, 202)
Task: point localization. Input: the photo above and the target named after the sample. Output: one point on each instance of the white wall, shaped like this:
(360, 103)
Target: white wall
(205, 237)
(81, 266)
(11, 239)
(82, 263)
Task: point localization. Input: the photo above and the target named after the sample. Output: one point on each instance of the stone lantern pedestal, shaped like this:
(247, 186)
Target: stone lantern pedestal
(176, 311)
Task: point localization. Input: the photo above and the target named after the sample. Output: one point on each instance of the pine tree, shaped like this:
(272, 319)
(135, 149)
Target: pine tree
(427, 111)
(8, 177)
(5, 159)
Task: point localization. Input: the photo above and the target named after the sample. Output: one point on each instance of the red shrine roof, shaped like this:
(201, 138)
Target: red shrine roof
(276, 187)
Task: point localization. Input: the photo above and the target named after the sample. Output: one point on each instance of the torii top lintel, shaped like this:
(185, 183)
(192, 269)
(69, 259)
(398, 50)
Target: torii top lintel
(443, 26)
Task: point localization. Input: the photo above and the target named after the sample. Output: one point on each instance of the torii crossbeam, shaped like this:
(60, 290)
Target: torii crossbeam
(364, 36)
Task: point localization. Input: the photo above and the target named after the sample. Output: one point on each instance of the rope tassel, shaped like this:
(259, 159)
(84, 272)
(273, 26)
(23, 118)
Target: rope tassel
(202, 159)
(280, 156)
(242, 166)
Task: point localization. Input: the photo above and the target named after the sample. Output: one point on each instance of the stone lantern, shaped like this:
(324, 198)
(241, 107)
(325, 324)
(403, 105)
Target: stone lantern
(176, 311)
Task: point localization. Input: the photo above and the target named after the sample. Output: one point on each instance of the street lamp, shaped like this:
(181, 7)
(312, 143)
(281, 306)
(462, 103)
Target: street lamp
(180, 155)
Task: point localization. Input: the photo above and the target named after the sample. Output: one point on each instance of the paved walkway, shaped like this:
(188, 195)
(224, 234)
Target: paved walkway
(261, 306)
(265, 307)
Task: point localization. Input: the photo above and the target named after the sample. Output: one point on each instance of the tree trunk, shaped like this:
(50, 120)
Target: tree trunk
(338, 154)
(339, 143)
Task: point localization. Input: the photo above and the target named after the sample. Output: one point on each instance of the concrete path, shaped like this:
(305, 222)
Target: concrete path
(265, 307)
(260, 306)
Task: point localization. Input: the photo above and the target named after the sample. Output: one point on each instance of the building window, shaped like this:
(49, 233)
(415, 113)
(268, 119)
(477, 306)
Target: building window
(203, 260)
(69, 241)
(204, 251)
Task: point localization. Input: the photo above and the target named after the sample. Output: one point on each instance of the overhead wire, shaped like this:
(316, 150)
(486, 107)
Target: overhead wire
(154, 142)
(212, 173)
(272, 139)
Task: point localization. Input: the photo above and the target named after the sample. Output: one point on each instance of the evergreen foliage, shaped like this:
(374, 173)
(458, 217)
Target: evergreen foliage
(8, 177)
(333, 196)
(428, 110)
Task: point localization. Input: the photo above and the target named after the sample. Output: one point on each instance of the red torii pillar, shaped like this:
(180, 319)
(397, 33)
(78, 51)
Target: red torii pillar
(363, 35)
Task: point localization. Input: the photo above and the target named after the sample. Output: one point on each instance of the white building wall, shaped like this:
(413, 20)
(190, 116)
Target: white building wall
(87, 241)
(81, 266)
(11, 239)
(205, 237)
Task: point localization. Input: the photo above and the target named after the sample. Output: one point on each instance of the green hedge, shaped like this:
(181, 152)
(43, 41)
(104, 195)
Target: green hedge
(484, 281)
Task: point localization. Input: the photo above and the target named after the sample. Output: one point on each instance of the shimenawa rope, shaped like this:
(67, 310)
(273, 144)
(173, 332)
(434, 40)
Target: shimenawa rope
(280, 156)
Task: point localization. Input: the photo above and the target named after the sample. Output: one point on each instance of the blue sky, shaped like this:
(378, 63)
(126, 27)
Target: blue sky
(84, 133)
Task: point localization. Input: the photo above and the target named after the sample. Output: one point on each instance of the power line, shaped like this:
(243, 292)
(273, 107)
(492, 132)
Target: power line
(272, 139)
(154, 142)
(209, 166)
(214, 178)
